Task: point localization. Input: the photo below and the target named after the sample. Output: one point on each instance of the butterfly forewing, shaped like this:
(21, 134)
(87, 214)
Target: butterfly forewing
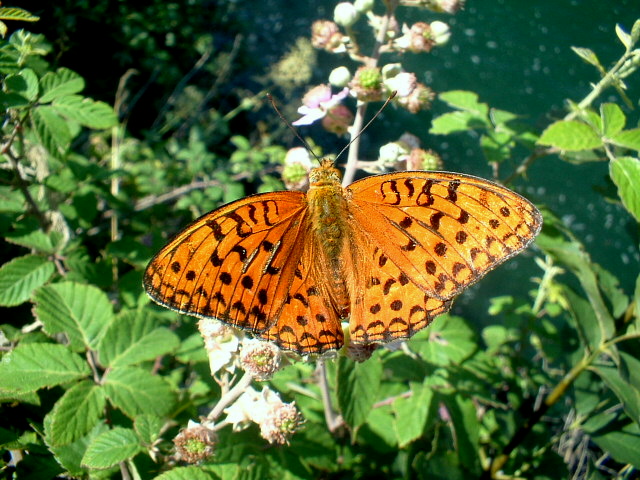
(442, 230)
(235, 264)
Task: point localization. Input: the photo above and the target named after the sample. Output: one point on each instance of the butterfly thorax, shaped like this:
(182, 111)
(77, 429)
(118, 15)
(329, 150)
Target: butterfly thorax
(327, 207)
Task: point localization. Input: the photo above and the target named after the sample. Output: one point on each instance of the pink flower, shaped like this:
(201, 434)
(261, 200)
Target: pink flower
(317, 102)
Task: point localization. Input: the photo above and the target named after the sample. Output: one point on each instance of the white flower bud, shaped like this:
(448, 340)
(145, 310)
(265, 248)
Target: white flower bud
(363, 6)
(345, 14)
(441, 32)
(340, 77)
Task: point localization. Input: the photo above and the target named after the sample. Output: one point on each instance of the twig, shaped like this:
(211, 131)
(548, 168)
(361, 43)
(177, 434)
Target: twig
(229, 397)
(551, 399)
(334, 421)
(45, 223)
(356, 128)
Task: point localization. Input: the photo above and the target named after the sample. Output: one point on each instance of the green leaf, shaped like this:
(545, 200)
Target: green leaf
(70, 455)
(62, 82)
(81, 312)
(588, 56)
(570, 135)
(450, 340)
(111, 447)
(185, 473)
(411, 413)
(624, 37)
(625, 173)
(51, 130)
(630, 371)
(85, 111)
(148, 428)
(496, 146)
(21, 276)
(24, 83)
(357, 388)
(613, 119)
(30, 235)
(32, 366)
(610, 286)
(467, 429)
(75, 413)
(465, 100)
(622, 444)
(585, 319)
(635, 31)
(636, 300)
(626, 393)
(456, 122)
(133, 338)
(13, 13)
(627, 139)
(135, 391)
(12, 100)
(573, 255)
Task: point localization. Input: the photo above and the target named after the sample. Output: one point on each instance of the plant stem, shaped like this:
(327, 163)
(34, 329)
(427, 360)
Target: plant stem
(559, 390)
(229, 397)
(331, 417)
(358, 122)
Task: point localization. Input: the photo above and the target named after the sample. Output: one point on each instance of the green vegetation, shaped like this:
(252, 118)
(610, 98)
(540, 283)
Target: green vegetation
(97, 382)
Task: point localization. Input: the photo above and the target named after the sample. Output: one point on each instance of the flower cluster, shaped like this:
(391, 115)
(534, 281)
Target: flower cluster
(277, 420)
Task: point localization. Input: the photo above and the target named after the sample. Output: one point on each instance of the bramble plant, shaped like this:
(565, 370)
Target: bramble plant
(96, 382)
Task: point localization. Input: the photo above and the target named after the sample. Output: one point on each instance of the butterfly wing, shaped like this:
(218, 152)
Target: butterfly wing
(232, 264)
(307, 323)
(245, 264)
(443, 230)
(390, 306)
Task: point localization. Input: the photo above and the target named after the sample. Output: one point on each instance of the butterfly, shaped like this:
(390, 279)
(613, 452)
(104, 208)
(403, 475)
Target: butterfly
(388, 253)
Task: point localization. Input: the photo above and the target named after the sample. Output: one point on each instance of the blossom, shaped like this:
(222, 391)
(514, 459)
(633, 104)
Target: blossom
(420, 159)
(326, 35)
(277, 420)
(221, 343)
(194, 443)
(366, 85)
(345, 14)
(441, 32)
(403, 83)
(260, 359)
(317, 102)
(297, 165)
(417, 38)
(419, 99)
(340, 76)
(338, 120)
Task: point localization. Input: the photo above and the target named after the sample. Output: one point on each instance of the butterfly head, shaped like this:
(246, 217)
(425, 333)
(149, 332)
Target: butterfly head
(325, 174)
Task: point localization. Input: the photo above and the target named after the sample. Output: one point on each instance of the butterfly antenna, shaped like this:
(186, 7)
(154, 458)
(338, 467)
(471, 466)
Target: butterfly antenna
(391, 97)
(291, 127)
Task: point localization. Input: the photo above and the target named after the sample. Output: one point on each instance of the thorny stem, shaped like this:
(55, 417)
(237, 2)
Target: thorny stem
(334, 421)
(230, 396)
(356, 128)
(5, 150)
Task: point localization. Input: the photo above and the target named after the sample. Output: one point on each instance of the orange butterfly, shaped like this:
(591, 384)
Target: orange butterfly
(388, 252)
